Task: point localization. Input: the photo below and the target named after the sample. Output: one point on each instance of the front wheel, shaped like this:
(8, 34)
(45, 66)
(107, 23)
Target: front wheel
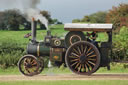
(28, 65)
(83, 58)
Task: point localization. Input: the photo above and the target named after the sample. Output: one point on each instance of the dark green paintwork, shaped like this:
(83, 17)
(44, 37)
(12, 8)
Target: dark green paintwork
(43, 49)
(33, 48)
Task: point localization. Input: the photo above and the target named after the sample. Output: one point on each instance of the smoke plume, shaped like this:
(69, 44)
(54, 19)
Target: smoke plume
(35, 13)
(27, 7)
(19, 4)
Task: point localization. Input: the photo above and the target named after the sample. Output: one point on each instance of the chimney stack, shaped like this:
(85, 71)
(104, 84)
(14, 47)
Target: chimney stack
(33, 28)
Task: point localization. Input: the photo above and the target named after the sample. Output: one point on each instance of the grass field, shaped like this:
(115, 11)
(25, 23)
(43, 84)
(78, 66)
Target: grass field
(56, 30)
(117, 68)
(68, 82)
(18, 36)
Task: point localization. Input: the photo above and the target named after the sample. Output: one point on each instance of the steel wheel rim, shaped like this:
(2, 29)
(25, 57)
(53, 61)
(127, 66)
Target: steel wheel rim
(70, 37)
(41, 67)
(74, 38)
(28, 65)
(82, 58)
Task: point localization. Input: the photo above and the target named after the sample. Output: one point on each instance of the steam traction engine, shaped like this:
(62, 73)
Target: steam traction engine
(81, 54)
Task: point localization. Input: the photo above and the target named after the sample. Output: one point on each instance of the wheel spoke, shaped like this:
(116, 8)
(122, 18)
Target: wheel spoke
(88, 50)
(34, 68)
(29, 60)
(92, 63)
(34, 65)
(92, 56)
(33, 61)
(77, 65)
(76, 51)
(26, 61)
(74, 63)
(83, 69)
(79, 50)
(75, 55)
(91, 59)
(82, 49)
(90, 53)
(86, 68)
(89, 66)
(74, 60)
(27, 69)
(85, 49)
(33, 71)
(79, 68)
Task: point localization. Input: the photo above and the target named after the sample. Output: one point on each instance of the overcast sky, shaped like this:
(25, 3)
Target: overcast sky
(66, 10)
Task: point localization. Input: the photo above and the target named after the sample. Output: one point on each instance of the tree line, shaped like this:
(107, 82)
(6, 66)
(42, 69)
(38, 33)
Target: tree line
(13, 19)
(113, 15)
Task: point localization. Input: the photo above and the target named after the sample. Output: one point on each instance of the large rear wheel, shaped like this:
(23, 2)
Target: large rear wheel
(83, 58)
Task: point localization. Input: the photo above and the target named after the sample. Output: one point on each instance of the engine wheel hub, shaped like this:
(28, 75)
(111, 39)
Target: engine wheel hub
(83, 58)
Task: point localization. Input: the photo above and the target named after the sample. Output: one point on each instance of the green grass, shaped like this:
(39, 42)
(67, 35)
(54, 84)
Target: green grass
(46, 71)
(56, 30)
(68, 82)
(9, 71)
(18, 36)
(117, 68)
